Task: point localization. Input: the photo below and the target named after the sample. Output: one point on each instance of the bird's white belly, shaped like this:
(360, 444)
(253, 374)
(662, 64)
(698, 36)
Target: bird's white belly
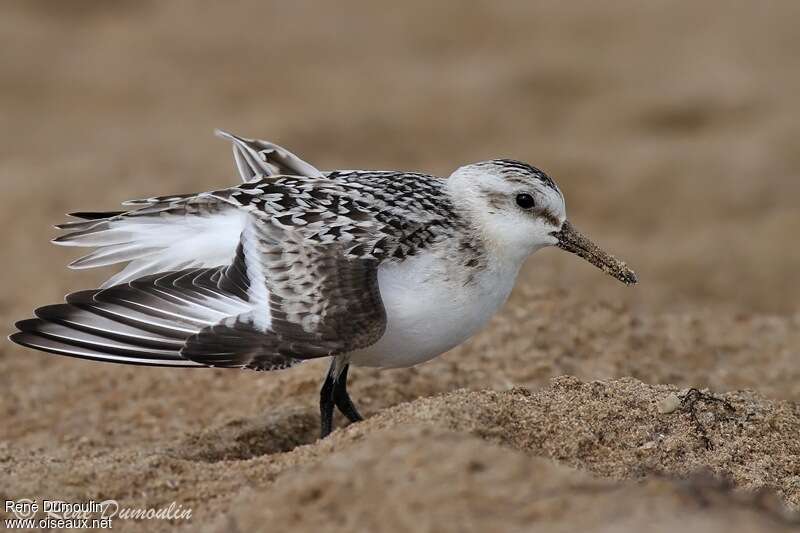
(431, 310)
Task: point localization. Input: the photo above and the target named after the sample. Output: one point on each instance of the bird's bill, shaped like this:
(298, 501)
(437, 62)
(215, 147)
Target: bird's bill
(572, 240)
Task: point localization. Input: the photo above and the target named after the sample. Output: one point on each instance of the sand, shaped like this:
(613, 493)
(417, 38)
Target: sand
(583, 405)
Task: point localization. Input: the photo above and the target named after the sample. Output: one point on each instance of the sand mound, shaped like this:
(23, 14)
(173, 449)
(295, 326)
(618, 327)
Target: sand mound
(425, 479)
(470, 459)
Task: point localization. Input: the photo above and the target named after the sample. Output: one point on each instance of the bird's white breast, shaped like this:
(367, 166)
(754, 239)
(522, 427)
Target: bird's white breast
(431, 307)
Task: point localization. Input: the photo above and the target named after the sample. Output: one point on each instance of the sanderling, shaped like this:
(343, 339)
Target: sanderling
(370, 268)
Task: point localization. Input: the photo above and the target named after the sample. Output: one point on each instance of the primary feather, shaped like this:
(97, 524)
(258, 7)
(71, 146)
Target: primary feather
(146, 322)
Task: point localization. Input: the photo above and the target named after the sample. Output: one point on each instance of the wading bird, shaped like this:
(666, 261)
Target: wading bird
(370, 268)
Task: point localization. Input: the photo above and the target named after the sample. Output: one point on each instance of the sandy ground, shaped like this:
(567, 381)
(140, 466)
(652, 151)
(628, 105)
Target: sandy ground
(584, 405)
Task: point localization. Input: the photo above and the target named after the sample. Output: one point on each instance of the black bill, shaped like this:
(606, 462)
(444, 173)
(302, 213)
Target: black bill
(574, 241)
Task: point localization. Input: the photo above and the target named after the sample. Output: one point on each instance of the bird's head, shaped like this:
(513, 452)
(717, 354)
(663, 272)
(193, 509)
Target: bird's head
(519, 209)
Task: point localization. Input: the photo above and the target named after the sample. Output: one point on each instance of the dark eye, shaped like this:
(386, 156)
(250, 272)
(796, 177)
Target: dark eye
(525, 200)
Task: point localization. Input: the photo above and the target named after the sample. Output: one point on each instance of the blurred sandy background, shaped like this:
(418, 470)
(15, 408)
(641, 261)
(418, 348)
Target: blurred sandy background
(671, 127)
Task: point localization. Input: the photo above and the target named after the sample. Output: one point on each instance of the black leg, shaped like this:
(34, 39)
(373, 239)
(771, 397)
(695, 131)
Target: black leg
(342, 399)
(334, 394)
(326, 405)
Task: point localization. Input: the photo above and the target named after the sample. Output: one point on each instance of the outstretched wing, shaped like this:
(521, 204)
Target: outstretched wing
(280, 301)
(376, 214)
(180, 231)
(144, 322)
(159, 234)
(315, 301)
(274, 271)
(259, 159)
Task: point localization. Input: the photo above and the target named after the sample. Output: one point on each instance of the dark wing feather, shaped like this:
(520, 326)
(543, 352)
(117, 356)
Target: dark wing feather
(320, 303)
(281, 301)
(145, 322)
(95, 215)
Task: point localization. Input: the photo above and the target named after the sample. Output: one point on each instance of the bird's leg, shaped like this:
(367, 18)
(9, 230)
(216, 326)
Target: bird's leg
(334, 393)
(342, 399)
(326, 404)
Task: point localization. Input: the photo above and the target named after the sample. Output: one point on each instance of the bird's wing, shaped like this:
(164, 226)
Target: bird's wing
(258, 159)
(278, 302)
(378, 214)
(260, 275)
(370, 214)
(144, 322)
(160, 234)
(312, 300)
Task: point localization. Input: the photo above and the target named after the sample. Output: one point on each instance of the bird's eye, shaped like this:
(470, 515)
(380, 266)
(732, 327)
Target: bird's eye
(525, 200)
